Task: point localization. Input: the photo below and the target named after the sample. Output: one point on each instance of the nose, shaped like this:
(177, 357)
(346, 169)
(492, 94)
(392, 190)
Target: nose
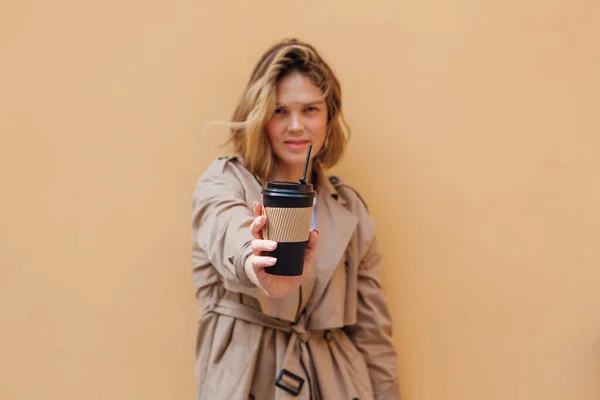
(296, 124)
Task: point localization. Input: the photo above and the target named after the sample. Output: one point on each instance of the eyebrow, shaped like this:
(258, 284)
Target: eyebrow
(309, 103)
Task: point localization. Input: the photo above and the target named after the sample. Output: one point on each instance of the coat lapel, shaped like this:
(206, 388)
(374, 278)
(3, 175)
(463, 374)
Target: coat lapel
(336, 225)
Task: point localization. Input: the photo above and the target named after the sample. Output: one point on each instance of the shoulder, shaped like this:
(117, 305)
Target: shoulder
(348, 193)
(227, 166)
(223, 165)
(223, 173)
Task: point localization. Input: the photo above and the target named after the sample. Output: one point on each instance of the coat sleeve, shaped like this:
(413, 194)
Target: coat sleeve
(221, 220)
(372, 333)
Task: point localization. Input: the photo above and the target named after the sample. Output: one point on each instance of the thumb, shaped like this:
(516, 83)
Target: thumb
(257, 209)
(313, 239)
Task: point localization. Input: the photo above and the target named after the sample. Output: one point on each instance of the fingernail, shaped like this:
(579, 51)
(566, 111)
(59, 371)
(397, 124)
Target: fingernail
(272, 261)
(318, 232)
(272, 244)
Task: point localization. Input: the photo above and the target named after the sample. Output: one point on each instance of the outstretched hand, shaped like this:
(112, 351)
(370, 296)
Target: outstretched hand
(273, 285)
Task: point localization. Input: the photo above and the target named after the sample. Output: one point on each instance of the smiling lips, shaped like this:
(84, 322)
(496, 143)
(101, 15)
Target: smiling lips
(297, 141)
(296, 144)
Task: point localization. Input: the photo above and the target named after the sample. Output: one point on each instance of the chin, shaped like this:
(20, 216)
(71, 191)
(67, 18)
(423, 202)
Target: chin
(289, 157)
(294, 162)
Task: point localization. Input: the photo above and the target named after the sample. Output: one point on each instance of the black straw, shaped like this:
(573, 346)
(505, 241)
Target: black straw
(303, 179)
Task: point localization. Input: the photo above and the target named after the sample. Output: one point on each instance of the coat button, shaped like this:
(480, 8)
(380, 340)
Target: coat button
(327, 335)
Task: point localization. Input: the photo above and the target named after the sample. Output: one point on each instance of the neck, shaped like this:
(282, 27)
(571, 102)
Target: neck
(292, 173)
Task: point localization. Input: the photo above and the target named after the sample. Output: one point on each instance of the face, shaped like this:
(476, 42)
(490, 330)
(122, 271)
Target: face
(300, 119)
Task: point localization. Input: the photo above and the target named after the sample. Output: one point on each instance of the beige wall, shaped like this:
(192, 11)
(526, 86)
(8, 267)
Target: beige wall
(475, 144)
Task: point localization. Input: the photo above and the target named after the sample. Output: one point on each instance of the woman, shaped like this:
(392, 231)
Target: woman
(323, 335)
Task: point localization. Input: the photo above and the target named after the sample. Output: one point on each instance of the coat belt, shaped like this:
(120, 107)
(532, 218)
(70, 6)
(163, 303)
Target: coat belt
(296, 361)
(246, 313)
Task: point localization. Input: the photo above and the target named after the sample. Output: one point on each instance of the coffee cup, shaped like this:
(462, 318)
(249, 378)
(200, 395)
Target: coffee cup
(288, 208)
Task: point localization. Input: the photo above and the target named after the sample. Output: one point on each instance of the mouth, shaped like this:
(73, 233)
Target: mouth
(297, 142)
(297, 145)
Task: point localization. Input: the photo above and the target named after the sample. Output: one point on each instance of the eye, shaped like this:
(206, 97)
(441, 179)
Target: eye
(279, 110)
(312, 109)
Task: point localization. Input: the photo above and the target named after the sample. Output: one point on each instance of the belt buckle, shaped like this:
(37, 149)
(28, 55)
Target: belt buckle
(279, 383)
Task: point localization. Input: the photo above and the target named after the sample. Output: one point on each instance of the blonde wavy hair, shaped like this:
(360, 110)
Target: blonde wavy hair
(257, 105)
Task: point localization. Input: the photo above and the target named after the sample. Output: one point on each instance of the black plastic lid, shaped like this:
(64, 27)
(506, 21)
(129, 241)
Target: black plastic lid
(290, 186)
(290, 190)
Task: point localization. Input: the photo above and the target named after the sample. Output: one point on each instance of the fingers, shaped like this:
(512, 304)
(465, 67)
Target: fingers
(258, 246)
(258, 262)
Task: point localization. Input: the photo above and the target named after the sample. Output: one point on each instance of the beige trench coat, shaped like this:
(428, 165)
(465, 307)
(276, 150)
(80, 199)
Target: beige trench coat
(330, 340)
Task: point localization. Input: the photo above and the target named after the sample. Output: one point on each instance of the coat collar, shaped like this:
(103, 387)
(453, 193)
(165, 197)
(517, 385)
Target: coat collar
(324, 185)
(336, 225)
